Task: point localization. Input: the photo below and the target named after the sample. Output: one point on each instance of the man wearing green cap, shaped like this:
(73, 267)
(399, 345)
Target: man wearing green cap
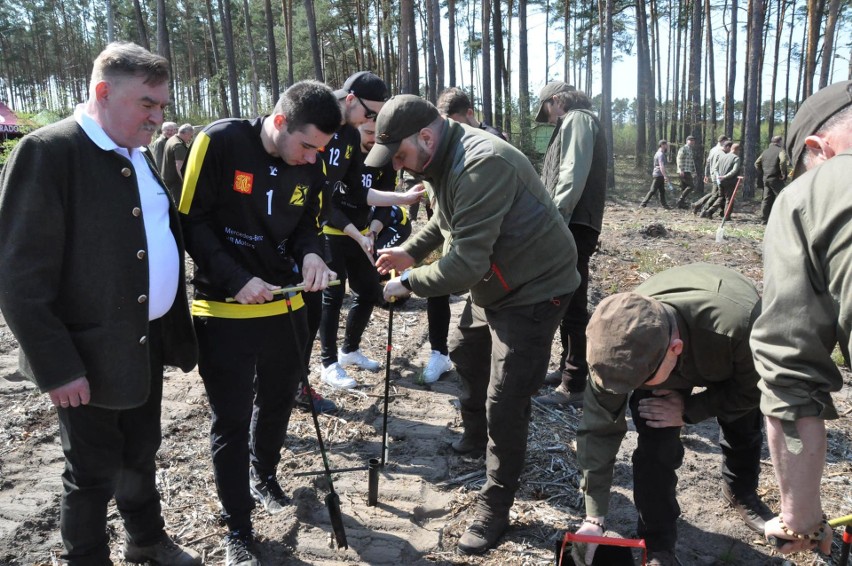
(807, 311)
(501, 229)
(684, 328)
(577, 147)
(772, 167)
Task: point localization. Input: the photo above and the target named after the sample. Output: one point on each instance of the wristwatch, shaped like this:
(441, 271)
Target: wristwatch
(403, 279)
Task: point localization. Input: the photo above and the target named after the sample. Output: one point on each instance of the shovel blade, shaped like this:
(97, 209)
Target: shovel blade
(720, 235)
(332, 502)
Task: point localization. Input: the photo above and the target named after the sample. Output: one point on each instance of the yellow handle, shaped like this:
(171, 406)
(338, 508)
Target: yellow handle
(840, 521)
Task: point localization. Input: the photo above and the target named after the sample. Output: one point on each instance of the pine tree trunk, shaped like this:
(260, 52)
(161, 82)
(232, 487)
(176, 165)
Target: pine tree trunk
(523, 77)
(255, 86)
(228, 35)
(487, 109)
(272, 52)
(319, 73)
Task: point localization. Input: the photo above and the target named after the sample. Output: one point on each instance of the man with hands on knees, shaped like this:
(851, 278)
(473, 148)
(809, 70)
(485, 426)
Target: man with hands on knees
(500, 226)
(685, 328)
(249, 207)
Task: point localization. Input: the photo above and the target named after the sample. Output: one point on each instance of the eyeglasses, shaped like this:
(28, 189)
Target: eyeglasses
(368, 114)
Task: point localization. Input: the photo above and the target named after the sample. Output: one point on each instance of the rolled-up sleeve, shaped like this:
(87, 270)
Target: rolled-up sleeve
(794, 337)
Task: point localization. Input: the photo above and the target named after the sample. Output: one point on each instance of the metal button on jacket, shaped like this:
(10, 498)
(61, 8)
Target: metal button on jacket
(142, 298)
(137, 212)
(126, 171)
(140, 254)
(143, 340)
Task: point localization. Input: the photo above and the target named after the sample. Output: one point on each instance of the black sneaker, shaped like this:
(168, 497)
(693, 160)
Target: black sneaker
(484, 531)
(321, 404)
(239, 549)
(268, 493)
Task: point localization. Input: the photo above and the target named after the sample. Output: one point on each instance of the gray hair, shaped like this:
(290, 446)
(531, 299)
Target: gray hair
(123, 59)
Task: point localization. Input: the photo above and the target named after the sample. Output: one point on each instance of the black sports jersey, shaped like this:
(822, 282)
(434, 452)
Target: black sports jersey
(344, 160)
(246, 214)
(383, 179)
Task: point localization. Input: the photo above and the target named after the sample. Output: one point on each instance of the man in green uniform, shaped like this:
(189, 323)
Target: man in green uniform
(771, 166)
(577, 147)
(807, 310)
(684, 328)
(501, 228)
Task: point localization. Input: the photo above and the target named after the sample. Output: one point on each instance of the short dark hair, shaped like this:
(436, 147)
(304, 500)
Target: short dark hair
(310, 102)
(662, 143)
(573, 100)
(727, 143)
(123, 59)
(776, 139)
(453, 101)
(722, 139)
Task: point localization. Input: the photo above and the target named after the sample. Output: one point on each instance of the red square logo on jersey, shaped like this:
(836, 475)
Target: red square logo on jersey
(243, 182)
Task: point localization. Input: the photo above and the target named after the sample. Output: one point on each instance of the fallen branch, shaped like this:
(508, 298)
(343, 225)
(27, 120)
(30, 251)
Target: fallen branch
(464, 478)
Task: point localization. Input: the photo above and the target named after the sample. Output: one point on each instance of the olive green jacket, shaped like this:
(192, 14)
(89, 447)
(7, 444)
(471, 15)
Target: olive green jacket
(715, 310)
(504, 238)
(807, 296)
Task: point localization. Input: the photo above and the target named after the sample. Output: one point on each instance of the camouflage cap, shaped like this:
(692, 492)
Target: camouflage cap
(814, 112)
(402, 116)
(628, 336)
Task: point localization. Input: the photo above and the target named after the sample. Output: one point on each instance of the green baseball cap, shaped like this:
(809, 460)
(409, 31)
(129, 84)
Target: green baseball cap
(814, 112)
(402, 116)
(551, 88)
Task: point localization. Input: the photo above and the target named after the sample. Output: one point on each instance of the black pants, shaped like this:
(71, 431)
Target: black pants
(313, 308)
(726, 193)
(686, 186)
(438, 315)
(397, 232)
(348, 260)
(771, 190)
(572, 329)
(501, 357)
(657, 186)
(415, 208)
(250, 368)
(658, 456)
(110, 453)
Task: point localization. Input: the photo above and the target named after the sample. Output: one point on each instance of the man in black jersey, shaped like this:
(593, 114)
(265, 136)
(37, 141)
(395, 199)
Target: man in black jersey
(249, 207)
(389, 225)
(347, 214)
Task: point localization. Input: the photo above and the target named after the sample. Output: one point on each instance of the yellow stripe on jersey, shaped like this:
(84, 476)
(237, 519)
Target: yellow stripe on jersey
(193, 169)
(219, 309)
(331, 231)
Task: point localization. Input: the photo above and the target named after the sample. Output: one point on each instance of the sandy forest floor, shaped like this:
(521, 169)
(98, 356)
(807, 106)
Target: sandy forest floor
(425, 490)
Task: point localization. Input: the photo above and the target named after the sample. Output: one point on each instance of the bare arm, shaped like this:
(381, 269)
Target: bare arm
(799, 472)
(387, 198)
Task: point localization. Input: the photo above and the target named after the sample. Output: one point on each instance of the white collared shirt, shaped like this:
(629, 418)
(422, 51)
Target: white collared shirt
(162, 252)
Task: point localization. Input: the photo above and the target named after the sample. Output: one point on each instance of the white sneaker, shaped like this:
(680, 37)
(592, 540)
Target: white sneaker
(438, 365)
(336, 376)
(356, 358)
